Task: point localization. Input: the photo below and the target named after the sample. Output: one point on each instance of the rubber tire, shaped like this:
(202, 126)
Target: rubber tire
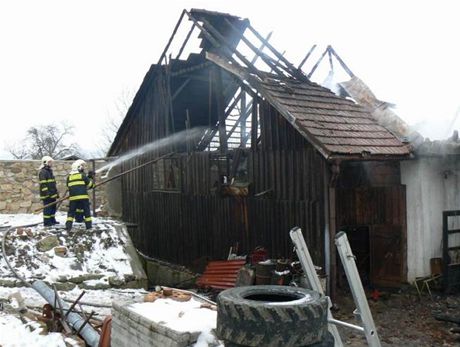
(328, 341)
(301, 321)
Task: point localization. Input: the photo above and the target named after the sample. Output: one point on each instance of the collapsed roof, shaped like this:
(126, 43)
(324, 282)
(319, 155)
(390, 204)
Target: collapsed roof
(336, 126)
(382, 111)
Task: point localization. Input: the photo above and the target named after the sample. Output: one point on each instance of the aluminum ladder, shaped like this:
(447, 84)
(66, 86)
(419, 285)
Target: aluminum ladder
(348, 260)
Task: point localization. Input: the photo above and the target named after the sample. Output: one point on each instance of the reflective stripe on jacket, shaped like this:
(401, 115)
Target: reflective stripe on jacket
(47, 183)
(78, 185)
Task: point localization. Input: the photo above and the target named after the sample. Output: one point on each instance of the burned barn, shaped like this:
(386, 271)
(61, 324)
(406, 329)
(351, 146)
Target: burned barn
(266, 150)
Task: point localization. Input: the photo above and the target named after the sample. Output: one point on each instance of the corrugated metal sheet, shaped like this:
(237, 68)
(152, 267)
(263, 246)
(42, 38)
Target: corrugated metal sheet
(220, 274)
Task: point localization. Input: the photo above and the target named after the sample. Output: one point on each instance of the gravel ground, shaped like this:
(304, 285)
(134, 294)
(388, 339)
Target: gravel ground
(404, 319)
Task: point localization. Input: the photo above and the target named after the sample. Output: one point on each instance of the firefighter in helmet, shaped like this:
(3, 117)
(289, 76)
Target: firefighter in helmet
(48, 191)
(78, 184)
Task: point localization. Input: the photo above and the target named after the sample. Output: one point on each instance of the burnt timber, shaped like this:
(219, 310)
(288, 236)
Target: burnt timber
(276, 151)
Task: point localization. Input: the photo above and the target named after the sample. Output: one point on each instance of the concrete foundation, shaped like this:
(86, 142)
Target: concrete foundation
(132, 329)
(169, 275)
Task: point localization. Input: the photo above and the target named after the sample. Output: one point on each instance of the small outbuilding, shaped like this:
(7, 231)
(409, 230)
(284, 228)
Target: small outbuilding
(264, 150)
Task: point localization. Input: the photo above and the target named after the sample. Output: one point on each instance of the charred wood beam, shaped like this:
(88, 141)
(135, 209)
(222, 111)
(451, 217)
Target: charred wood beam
(140, 96)
(208, 138)
(254, 59)
(185, 41)
(169, 96)
(190, 69)
(163, 55)
(294, 71)
(218, 92)
(254, 82)
(278, 59)
(218, 41)
(182, 86)
(262, 46)
(210, 86)
(344, 66)
(306, 57)
(235, 164)
(187, 127)
(254, 124)
(243, 111)
(317, 63)
(244, 115)
(264, 57)
(331, 65)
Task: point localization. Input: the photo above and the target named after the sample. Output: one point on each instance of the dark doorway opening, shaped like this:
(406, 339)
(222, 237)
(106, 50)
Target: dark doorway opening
(359, 239)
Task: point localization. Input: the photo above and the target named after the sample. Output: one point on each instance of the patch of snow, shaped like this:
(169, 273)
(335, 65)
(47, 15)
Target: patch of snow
(207, 338)
(186, 316)
(179, 316)
(103, 251)
(30, 296)
(7, 220)
(13, 333)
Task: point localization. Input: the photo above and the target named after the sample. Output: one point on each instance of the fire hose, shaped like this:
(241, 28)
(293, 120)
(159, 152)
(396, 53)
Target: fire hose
(108, 180)
(76, 321)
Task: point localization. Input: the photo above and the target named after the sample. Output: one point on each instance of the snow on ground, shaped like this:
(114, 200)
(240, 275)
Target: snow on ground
(73, 255)
(99, 251)
(7, 220)
(14, 333)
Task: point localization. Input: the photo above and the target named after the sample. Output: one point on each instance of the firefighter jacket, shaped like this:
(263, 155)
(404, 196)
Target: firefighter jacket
(47, 182)
(78, 184)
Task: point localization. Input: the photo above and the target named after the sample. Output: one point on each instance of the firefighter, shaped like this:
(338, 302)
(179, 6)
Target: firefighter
(78, 184)
(48, 191)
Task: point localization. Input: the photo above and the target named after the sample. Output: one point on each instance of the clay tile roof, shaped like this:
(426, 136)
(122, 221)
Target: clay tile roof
(337, 125)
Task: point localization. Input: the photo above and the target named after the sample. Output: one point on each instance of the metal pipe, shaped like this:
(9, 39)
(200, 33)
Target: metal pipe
(94, 190)
(345, 324)
(108, 180)
(89, 334)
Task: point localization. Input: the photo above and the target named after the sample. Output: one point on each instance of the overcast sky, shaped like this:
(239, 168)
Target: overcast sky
(72, 60)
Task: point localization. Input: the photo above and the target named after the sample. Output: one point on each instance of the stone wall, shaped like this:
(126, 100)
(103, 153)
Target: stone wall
(19, 188)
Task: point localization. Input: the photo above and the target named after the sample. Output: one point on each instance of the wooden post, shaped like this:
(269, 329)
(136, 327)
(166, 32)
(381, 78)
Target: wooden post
(313, 69)
(306, 57)
(332, 232)
(254, 124)
(332, 198)
(264, 57)
(187, 127)
(218, 92)
(243, 112)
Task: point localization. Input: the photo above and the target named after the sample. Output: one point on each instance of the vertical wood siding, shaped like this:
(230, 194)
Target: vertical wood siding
(191, 220)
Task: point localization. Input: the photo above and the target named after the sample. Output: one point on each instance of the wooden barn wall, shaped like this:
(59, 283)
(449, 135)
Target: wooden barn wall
(184, 228)
(371, 206)
(382, 210)
(189, 220)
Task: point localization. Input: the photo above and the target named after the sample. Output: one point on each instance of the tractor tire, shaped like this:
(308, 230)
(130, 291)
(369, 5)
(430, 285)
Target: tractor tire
(271, 316)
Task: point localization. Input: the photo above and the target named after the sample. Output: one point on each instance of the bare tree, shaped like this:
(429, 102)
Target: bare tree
(114, 120)
(17, 150)
(45, 140)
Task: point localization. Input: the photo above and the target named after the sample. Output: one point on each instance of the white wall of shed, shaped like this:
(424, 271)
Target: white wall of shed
(432, 186)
